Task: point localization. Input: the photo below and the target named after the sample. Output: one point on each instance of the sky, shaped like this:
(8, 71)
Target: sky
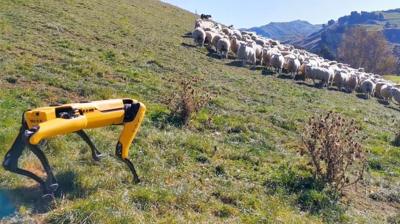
(250, 13)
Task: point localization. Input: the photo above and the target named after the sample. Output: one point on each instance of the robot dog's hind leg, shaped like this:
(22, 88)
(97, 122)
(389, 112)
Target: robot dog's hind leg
(96, 155)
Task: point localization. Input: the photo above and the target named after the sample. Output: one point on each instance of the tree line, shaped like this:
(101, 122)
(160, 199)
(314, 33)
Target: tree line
(368, 49)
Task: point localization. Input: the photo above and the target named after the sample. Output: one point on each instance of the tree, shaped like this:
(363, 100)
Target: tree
(369, 50)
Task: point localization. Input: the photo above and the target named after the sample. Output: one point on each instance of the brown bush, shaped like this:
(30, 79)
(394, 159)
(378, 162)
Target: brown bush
(367, 49)
(331, 143)
(187, 100)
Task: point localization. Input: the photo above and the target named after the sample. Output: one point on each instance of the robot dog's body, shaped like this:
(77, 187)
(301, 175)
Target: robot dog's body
(42, 123)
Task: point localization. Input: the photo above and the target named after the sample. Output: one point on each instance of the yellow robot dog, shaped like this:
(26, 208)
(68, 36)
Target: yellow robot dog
(42, 123)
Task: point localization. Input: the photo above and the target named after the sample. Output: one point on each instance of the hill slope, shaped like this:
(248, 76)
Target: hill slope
(215, 171)
(326, 41)
(285, 31)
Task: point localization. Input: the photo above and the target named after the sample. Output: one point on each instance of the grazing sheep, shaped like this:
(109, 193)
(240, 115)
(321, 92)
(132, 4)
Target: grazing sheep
(368, 87)
(324, 75)
(223, 47)
(386, 92)
(215, 40)
(395, 93)
(199, 36)
(246, 54)
(251, 48)
(277, 61)
(339, 79)
(259, 51)
(351, 82)
(209, 38)
(234, 45)
(266, 57)
(378, 87)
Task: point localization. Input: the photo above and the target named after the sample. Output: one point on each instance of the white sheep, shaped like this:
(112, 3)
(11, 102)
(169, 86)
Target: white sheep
(324, 75)
(259, 52)
(267, 54)
(277, 61)
(209, 38)
(227, 31)
(351, 82)
(378, 87)
(339, 79)
(215, 40)
(246, 54)
(199, 36)
(386, 92)
(292, 64)
(223, 47)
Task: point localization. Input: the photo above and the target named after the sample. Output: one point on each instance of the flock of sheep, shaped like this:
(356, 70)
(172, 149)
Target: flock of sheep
(252, 49)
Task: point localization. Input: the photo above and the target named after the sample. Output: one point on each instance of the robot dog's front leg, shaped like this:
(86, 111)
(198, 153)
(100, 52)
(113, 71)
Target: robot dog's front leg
(11, 159)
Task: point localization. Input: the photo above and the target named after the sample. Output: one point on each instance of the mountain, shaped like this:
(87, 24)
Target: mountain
(237, 162)
(284, 31)
(326, 41)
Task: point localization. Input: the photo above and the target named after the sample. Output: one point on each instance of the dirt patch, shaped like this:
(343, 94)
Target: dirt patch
(358, 198)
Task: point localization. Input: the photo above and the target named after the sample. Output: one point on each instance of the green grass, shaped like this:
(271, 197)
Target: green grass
(393, 78)
(67, 51)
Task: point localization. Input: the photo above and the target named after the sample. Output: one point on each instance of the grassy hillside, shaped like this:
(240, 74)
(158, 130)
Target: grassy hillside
(212, 172)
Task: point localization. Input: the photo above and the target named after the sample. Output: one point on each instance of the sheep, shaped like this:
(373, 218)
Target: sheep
(351, 82)
(227, 31)
(395, 93)
(386, 92)
(199, 36)
(237, 34)
(319, 73)
(292, 64)
(204, 24)
(223, 47)
(215, 40)
(277, 61)
(339, 79)
(259, 51)
(251, 48)
(368, 87)
(209, 38)
(266, 57)
(378, 87)
(246, 54)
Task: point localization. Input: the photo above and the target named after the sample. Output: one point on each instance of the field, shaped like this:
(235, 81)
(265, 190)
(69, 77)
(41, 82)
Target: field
(215, 170)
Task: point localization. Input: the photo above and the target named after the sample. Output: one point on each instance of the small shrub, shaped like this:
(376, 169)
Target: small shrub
(331, 144)
(187, 100)
(308, 193)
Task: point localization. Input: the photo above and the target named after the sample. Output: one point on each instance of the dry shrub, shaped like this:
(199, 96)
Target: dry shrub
(331, 143)
(187, 100)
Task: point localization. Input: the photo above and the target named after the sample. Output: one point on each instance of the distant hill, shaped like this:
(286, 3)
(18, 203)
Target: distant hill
(285, 31)
(326, 41)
